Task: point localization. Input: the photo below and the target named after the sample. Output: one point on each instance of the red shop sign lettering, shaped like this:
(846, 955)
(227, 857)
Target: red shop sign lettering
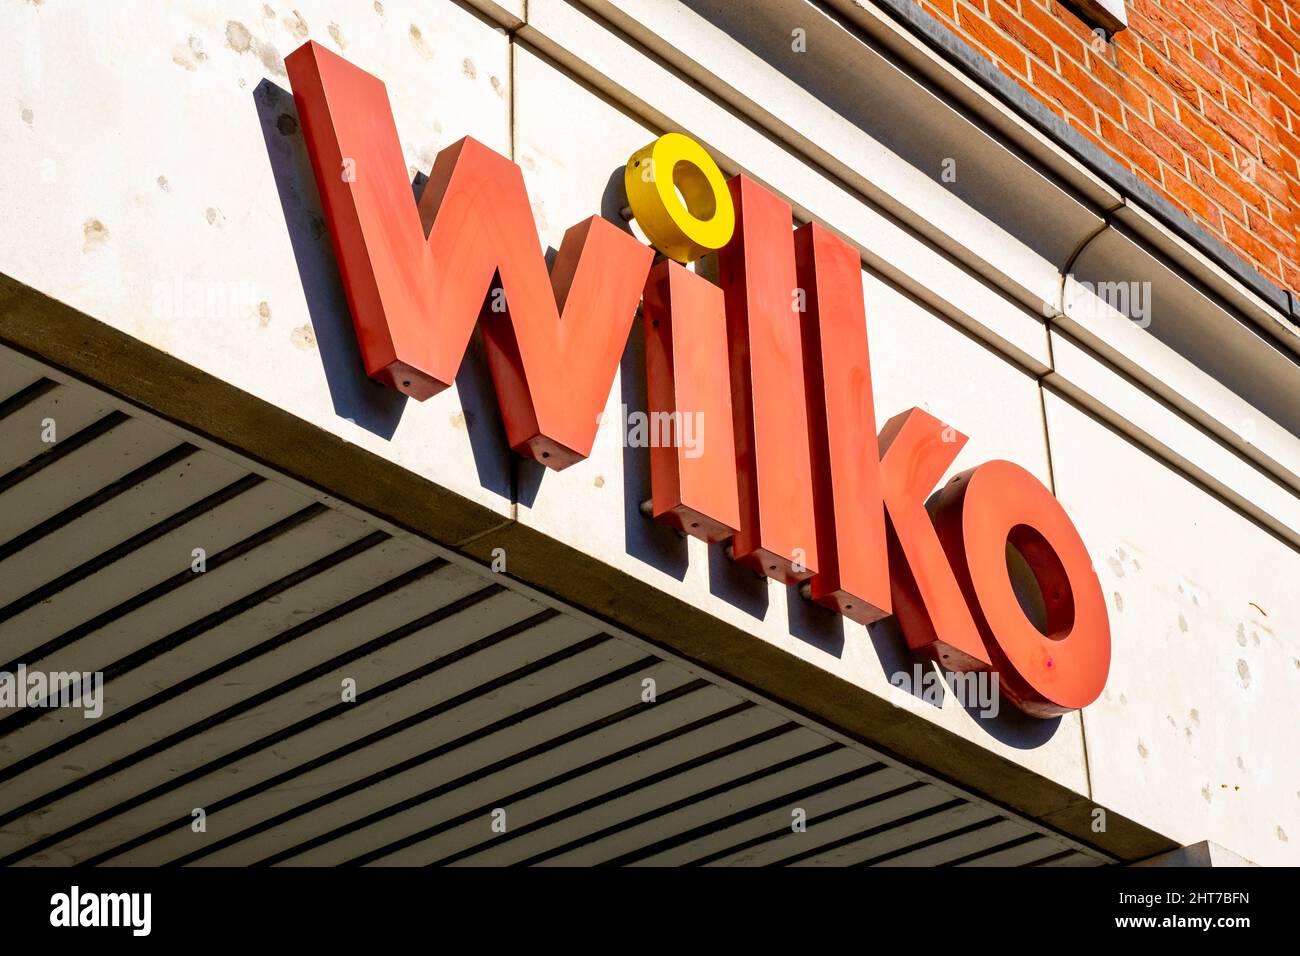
(793, 473)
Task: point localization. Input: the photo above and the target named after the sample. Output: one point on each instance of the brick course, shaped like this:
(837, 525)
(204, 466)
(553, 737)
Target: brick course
(1199, 99)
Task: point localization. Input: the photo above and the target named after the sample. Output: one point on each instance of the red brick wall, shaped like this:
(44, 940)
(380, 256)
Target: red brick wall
(1200, 99)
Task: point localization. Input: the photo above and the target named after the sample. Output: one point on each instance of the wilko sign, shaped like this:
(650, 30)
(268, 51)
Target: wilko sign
(773, 357)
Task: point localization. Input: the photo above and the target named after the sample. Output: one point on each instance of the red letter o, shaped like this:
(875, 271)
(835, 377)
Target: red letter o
(979, 513)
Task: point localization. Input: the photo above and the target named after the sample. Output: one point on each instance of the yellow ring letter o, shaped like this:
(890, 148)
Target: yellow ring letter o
(654, 177)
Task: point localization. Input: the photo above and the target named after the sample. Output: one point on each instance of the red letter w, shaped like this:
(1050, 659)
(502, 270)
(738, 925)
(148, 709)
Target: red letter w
(417, 278)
